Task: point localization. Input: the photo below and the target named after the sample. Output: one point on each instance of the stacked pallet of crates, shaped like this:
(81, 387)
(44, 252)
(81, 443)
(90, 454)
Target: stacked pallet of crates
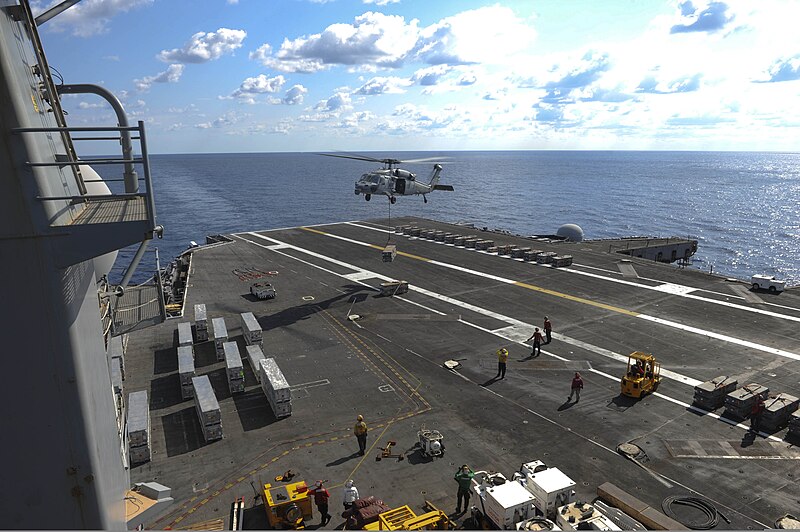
(276, 388)
(200, 322)
(739, 403)
(220, 336)
(207, 408)
(777, 411)
(234, 367)
(794, 427)
(138, 427)
(251, 329)
(711, 394)
(186, 371)
(255, 355)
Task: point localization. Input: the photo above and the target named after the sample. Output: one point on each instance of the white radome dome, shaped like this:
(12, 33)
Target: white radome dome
(571, 232)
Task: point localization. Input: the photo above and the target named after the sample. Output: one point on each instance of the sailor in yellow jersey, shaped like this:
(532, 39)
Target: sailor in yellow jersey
(502, 358)
(360, 430)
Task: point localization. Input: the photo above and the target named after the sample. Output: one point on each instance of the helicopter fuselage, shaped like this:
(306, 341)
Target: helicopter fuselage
(393, 182)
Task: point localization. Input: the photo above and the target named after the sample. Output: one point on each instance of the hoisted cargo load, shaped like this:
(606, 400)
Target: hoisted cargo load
(389, 253)
(207, 408)
(138, 427)
(220, 336)
(254, 356)
(185, 334)
(234, 367)
(200, 322)
(251, 329)
(276, 388)
(186, 371)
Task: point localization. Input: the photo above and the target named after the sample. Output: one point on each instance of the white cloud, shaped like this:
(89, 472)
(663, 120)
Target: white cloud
(383, 85)
(372, 39)
(171, 75)
(381, 2)
(87, 105)
(260, 84)
(295, 95)
(340, 101)
(87, 18)
(203, 47)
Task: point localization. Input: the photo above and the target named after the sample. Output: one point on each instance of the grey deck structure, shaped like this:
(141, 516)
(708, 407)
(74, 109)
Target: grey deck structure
(464, 304)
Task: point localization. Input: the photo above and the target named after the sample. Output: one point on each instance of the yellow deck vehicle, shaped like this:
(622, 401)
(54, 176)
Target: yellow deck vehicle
(404, 518)
(287, 506)
(643, 375)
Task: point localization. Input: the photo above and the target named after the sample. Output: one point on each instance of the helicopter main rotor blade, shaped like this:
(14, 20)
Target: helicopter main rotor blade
(358, 158)
(425, 160)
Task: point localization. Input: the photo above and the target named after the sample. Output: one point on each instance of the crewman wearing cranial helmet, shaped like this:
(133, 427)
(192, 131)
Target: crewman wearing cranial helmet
(502, 358)
(360, 431)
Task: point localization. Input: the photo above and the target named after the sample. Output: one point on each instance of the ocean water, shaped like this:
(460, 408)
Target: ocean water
(744, 208)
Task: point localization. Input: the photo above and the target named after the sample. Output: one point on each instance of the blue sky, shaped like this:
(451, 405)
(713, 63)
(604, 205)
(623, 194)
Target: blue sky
(302, 75)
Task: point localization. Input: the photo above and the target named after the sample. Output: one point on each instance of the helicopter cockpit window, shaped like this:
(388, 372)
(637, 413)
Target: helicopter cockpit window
(375, 178)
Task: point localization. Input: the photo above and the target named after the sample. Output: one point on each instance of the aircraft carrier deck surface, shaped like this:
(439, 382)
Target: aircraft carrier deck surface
(463, 305)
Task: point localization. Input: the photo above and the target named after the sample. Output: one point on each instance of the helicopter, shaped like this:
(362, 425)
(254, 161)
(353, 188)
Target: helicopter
(391, 181)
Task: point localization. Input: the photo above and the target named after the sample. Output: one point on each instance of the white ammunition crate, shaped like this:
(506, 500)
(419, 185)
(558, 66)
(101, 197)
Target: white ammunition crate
(235, 369)
(255, 355)
(186, 370)
(185, 334)
(138, 419)
(274, 384)
(205, 401)
(200, 317)
(220, 336)
(116, 349)
(139, 455)
(251, 329)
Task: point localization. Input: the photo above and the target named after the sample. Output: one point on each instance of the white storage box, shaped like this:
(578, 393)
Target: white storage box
(235, 370)
(138, 419)
(550, 487)
(186, 371)
(255, 355)
(505, 505)
(220, 336)
(273, 382)
(139, 455)
(185, 334)
(205, 401)
(251, 329)
(200, 322)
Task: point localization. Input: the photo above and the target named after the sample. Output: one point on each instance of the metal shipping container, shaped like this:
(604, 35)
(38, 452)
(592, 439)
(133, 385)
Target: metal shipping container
(186, 370)
(200, 322)
(138, 419)
(116, 349)
(273, 382)
(254, 355)
(251, 329)
(205, 401)
(185, 334)
(220, 336)
(139, 455)
(235, 370)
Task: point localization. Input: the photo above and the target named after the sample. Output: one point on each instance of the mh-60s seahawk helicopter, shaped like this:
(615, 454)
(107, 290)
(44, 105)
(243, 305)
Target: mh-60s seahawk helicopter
(391, 181)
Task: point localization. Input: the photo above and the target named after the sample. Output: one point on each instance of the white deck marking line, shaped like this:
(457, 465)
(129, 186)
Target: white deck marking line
(667, 287)
(286, 228)
(616, 379)
(330, 259)
(722, 337)
(686, 328)
(516, 324)
(494, 315)
(368, 227)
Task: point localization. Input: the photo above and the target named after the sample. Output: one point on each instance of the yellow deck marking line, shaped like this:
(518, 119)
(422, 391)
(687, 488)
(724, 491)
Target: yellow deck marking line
(702, 332)
(683, 290)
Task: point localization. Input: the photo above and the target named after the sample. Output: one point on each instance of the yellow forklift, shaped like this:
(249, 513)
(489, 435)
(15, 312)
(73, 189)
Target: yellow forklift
(404, 518)
(643, 374)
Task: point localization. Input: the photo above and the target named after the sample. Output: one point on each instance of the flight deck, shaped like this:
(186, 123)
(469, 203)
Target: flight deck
(346, 350)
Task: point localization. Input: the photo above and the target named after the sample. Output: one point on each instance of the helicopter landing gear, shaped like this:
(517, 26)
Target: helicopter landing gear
(392, 200)
(425, 198)
(367, 197)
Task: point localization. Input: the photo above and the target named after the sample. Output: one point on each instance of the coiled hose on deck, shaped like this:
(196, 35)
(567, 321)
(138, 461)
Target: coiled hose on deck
(712, 515)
